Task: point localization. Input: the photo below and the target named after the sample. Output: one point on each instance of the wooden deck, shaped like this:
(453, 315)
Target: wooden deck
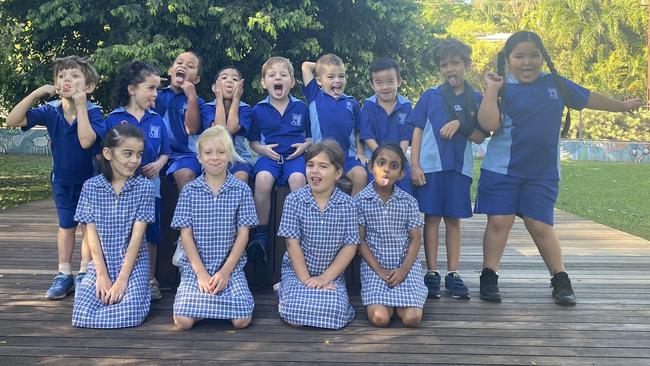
(610, 325)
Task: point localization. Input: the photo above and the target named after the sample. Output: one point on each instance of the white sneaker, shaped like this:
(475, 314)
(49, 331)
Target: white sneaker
(179, 253)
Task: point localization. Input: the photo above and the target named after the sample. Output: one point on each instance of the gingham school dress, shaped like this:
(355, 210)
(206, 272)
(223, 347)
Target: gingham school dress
(114, 216)
(214, 219)
(321, 237)
(387, 226)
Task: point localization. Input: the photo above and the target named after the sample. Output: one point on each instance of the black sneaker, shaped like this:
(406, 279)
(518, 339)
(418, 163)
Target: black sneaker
(256, 251)
(432, 281)
(562, 290)
(490, 286)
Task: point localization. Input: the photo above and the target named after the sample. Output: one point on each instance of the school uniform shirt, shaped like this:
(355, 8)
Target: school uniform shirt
(438, 154)
(172, 107)
(156, 141)
(72, 164)
(270, 127)
(240, 138)
(331, 118)
(527, 145)
(321, 236)
(214, 220)
(382, 127)
(387, 228)
(114, 216)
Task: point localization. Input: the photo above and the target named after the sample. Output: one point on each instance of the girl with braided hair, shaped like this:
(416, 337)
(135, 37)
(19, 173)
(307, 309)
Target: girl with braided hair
(520, 171)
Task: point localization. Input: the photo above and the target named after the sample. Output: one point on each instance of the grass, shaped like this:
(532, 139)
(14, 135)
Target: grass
(613, 194)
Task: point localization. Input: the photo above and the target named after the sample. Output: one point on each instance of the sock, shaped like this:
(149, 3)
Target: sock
(83, 267)
(434, 271)
(450, 272)
(65, 268)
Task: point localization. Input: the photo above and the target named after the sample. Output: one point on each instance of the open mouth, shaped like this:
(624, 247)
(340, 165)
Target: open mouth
(315, 180)
(383, 181)
(179, 77)
(278, 88)
(453, 80)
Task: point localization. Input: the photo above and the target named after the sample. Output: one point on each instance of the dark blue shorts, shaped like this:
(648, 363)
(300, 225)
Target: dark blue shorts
(66, 197)
(446, 194)
(280, 171)
(239, 166)
(404, 183)
(185, 161)
(351, 163)
(152, 235)
(500, 194)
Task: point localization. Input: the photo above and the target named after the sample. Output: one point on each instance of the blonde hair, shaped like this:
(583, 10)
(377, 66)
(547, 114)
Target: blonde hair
(328, 59)
(277, 60)
(220, 134)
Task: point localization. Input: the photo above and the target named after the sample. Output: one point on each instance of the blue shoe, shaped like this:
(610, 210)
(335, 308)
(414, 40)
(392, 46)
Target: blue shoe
(61, 287)
(456, 287)
(432, 280)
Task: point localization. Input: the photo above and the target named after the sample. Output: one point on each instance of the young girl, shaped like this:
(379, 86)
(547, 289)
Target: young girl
(520, 171)
(391, 274)
(116, 206)
(214, 214)
(319, 223)
(134, 96)
(229, 111)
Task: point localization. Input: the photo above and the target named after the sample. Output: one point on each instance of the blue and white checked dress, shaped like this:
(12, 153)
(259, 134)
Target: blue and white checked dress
(387, 228)
(214, 220)
(114, 217)
(321, 237)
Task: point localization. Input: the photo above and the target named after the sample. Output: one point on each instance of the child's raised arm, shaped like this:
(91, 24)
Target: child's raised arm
(85, 132)
(18, 115)
(192, 116)
(489, 116)
(308, 72)
(605, 103)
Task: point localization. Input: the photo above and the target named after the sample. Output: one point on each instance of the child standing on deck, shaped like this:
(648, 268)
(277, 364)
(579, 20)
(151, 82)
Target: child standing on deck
(116, 207)
(134, 96)
(214, 214)
(335, 115)
(319, 223)
(391, 273)
(280, 133)
(383, 116)
(445, 124)
(520, 172)
(75, 126)
(229, 111)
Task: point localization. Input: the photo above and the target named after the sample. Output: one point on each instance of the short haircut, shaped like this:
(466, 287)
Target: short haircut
(115, 137)
(451, 47)
(327, 59)
(277, 60)
(229, 67)
(76, 62)
(199, 67)
(331, 148)
(222, 135)
(381, 64)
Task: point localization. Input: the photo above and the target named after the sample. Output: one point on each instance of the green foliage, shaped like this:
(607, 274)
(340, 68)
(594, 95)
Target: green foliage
(599, 125)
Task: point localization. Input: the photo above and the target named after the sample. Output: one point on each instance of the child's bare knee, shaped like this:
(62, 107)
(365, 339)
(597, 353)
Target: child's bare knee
(240, 323)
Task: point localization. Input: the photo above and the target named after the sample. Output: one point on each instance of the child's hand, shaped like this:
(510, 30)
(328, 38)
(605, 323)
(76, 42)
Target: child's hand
(102, 285)
(219, 281)
(217, 89)
(417, 176)
(239, 90)
(362, 158)
(384, 274)
(493, 80)
(46, 91)
(203, 280)
(189, 90)
(151, 170)
(300, 149)
(116, 293)
(396, 277)
(319, 282)
(449, 129)
(79, 98)
(633, 104)
(267, 150)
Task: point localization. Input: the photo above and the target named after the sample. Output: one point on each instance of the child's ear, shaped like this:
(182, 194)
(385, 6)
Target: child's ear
(402, 174)
(107, 153)
(319, 81)
(263, 83)
(89, 88)
(198, 80)
(339, 173)
(131, 89)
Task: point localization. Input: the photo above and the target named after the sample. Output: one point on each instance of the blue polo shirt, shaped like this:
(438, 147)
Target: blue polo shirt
(527, 145)
(332, 118)
(268, 126)
(172, 107)
(382, 127)
(156, 141)
(72, 164)
(438, 154)
(239, 139)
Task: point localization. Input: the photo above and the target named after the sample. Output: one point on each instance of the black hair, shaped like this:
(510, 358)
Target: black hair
(451, 47)
(381, 64)
(199, 68)
(114, 138)
(527, 36)
(390, 147)
(226, 68)
(132, 73)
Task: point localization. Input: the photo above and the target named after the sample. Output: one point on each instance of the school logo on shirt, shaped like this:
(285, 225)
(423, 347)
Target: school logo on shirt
(123, 122)
(296, 120)
(154, 132)
(458, 108)
(552, 94)
(401, 118)
(349, 106)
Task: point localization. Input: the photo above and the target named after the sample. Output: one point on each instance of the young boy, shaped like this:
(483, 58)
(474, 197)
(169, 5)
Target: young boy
(185, 118)
(383, 116)
(335, 115)
(280, 133)
(444, 121)
(75, 126)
